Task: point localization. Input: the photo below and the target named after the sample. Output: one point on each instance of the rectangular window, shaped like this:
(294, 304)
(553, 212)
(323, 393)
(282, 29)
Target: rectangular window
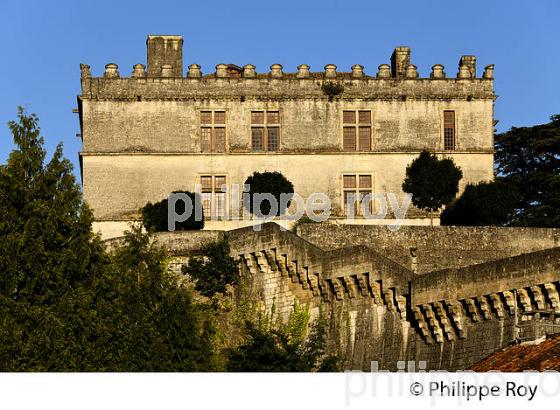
(212, 131)
(219, 139)
(365, 138)
(357, 194)
(265, 136)
(356, 136)
(349, 117)
(257, 117)
(365, 117)
(213, 196)
(219, 117)
(349, 141)
(272, 117)
(257, 138)
(206, 139)
(449, 130)
(272, 139)
(206, 117)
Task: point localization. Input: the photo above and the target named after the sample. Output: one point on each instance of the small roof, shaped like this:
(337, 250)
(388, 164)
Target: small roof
(540, 355)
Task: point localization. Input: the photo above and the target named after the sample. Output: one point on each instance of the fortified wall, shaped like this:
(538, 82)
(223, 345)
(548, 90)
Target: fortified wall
(379, 309)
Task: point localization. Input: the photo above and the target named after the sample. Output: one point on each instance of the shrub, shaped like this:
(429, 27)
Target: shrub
(295, 346)
(154, 216)
(332, 89)
(214, 271)
(487, 203)
(273, 183)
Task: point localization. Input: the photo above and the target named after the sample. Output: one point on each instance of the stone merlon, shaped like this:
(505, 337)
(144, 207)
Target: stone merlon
(164, 79)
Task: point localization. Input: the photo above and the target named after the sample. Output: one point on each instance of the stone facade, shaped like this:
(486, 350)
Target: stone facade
(142, 135)
(381, 310)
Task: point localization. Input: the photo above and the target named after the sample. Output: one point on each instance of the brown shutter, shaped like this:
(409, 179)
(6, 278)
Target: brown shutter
(272, 117)
(220, 139)
(365, 181)
(257, 117)
(449, 130)
(349, 181)
(219, 117)
(349, 139)
(206, 182)
(349, 117)
(206, 117)
(365, 138)
(365, 117)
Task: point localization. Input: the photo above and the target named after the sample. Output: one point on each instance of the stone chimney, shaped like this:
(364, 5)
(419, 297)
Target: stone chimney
(400, 60)
(162, 51)
(470, 62)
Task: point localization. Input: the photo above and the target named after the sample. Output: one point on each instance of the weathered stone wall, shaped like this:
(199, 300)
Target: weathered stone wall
(141, 135)
(117, 186)
(436, 247)
(381, 311)
(307, 123)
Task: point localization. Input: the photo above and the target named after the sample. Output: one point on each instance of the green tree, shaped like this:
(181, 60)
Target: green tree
(273, 183)
(48, 255)
(486, 203)
(47, 245)
(432, 182)
(214, 270)
(67, 305)
(155, 216)
(529, 159)
(150, 320)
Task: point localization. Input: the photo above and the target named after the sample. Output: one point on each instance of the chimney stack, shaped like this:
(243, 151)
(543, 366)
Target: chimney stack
(400, 60)
(470, 62)
(163, 51)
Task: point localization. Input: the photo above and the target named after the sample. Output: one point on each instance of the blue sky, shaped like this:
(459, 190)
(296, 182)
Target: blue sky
(43, 44)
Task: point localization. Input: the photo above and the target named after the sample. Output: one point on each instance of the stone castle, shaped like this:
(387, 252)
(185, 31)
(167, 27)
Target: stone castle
(446, 296)
(158, 131)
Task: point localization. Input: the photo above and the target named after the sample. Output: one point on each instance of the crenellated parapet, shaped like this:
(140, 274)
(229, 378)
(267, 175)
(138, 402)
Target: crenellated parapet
(525, 287)
(380, 310)
(163, 78)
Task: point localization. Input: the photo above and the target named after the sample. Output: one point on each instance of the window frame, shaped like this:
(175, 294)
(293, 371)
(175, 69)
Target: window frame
(214, 128)
(452, 126)
(357, 191)
(265, 126)
(357, 125)
(211, 194)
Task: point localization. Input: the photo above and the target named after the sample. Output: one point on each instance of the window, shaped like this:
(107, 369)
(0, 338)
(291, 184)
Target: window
(213, 131)
(449, 130)
(356, 130)
(213, 195)
(265, 131)
(355, 190)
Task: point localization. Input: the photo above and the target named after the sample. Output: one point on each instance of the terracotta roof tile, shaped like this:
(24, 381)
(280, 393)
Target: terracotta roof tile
(517, 358)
